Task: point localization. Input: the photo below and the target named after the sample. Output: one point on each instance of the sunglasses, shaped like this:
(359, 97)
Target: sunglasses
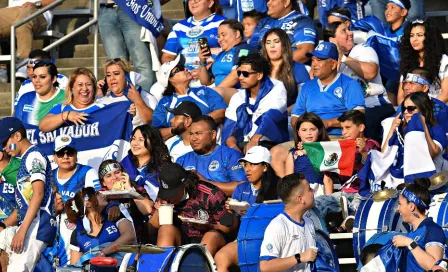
(40, 62)
(409, 109)
(178, 68)
(419, 21)
(69, 151)
(245, 74)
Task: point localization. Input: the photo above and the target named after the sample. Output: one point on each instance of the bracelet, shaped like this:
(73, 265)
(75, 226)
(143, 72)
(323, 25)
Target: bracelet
(68, 113)
(62, 117)
(203, 64)
(102, 253)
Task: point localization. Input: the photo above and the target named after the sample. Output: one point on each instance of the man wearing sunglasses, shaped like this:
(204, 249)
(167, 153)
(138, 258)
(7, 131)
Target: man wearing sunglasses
(27, 85)
(34, 197)
(70, 176)
(180, 127)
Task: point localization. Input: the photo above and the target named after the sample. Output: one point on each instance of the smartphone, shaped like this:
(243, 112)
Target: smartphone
(105, 86)
(203, 43)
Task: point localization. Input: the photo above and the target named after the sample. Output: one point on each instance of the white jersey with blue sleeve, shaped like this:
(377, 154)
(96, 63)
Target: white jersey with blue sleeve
(285, 237)
(27, 86)
(299, 27)
(84, 176)
(36, 167)
(183, 38)
(177, 148)
(221, 165)
(207, 99)
(329, 101)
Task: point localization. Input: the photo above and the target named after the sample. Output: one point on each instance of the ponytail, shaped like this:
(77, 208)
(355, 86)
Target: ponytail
(268, 188)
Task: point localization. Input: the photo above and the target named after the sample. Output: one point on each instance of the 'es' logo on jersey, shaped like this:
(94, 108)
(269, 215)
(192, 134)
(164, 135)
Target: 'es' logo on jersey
(213, 166)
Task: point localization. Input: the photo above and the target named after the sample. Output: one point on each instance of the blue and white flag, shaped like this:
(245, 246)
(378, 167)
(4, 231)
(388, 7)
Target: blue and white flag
(104, 135)
(399, 162)
(369, 23)
(141, 11)
(266, 116)
(390, 258)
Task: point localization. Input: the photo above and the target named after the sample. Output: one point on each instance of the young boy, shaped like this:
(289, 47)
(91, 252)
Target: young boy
(353, 126)
(250, 21)
(34, 197)
(289, 241)
(396, 13)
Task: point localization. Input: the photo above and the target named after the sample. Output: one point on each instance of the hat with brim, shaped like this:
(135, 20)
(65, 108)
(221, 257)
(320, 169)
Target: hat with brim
(257, 154)
(325, 50)
(63, 141)
(163, 74)
(171, 179)
(8, 126)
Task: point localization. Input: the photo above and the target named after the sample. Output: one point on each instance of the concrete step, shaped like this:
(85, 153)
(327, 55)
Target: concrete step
(78, 4)
(6, 87)
(5, 111)
(86, 51)
(78, 62)
(5, 99)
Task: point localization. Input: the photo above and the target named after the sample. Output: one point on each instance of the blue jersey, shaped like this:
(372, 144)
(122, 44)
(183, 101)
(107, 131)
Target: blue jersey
(33, 167)
(207, 99)
(300, 29)
(433, 236)
(7, 199)
(397, 34)
(245, 192)
(84, 176)
(183, 38)
(30, 109)
(81, 241)
(27, 86)
(241, 6)
(226, 61)
(221, 165)
(60, 108)
(330, 101)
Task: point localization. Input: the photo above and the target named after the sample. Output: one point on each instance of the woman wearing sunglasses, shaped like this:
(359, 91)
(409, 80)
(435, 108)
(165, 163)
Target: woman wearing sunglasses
(94, 232)
(79, 102)
(422, 45)
(257, 113)
(116, 87)
(175, 78)
(416, 105)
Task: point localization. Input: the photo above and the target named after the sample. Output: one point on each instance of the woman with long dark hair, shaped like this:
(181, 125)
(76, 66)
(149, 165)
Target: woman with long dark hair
(94, 232)
(147, 156)
(424, 252)
(416, 105)
(422, 45)
(261, 186)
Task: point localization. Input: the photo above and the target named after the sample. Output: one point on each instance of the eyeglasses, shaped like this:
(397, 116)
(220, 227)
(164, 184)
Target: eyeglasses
(245, 73)
(409, 109)
(69, 151)
(178, 68)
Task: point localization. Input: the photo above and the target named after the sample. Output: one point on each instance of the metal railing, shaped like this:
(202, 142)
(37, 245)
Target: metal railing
(92, 23)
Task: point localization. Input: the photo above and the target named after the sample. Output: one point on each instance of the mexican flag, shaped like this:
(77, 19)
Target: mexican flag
(332, 156)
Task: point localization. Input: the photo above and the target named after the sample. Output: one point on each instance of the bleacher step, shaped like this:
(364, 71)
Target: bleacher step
(78, 62)
(5, 111)
(86, 51)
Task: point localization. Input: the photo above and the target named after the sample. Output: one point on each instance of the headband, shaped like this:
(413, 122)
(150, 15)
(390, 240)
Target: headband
(398, 3)
(417, 79)
(411, 197)
(339, 15)
(109, 168)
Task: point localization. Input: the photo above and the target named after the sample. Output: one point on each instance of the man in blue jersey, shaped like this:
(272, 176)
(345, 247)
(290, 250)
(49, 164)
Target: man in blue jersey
(34, 197)
(180, 127)
(70, 177)
(300, 28)
(396, 13)
(213, 163)
(330, 93)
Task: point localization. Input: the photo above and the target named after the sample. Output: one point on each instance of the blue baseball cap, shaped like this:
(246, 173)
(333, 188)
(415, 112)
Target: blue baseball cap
(9, 125)
(325, 50)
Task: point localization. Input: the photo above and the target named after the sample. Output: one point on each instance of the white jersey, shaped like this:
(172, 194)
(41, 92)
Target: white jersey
(177, 148)
(374, 91)
(27, 86)
(285, 237)
(148, 98)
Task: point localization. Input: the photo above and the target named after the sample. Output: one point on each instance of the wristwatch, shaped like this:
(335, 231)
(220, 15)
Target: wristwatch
(38, 4)
(298, 257)
(412, 245)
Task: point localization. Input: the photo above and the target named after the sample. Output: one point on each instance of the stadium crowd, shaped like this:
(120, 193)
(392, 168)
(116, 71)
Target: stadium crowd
(249, 104)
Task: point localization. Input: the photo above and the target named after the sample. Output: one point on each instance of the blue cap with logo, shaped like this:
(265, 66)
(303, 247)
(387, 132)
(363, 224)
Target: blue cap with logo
(9, 125)
(325, 50)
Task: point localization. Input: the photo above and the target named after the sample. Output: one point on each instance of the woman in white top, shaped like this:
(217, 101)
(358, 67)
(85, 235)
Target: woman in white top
(422, 46)
(117, 87)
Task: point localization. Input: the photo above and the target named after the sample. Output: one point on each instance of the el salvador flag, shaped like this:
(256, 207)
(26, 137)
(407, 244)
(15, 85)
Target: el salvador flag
(266, 116)
(399, 162)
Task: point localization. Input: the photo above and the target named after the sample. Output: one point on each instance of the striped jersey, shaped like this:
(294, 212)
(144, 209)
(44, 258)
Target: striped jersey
(183, 38)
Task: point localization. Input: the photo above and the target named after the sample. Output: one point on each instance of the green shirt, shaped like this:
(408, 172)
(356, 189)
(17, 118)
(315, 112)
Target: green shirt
(9, 173)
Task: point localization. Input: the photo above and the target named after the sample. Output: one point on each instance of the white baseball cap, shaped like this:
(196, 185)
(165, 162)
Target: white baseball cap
(163, 74)
(257, 154)
(63, 141)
